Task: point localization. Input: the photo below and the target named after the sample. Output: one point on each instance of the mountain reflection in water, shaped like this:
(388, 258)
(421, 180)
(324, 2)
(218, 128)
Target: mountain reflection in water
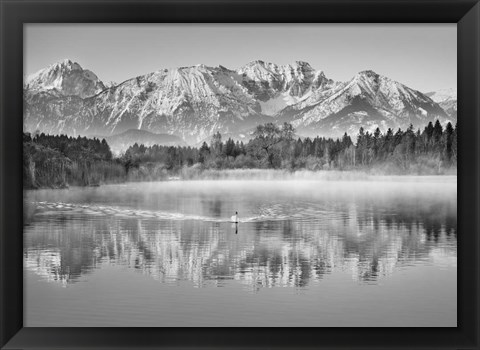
(292, 237)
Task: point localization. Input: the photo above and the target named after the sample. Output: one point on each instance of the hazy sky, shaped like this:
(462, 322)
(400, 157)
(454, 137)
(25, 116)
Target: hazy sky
(422, 56)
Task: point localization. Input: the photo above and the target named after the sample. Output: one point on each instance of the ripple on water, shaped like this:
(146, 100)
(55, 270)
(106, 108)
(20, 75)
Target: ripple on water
(273, 212)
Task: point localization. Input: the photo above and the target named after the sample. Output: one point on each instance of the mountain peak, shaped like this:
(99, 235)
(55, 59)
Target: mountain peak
(299, 63)
(367, 73)
(257, 62)
(67, 78)
(371, 78)
(252, 64)
(302, 64)
(67, 62)
(259, 67)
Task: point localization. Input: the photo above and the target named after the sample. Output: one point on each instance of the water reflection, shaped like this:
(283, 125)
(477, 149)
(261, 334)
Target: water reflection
(298, 244)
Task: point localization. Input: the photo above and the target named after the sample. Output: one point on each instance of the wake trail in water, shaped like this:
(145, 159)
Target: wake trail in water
(52, 209)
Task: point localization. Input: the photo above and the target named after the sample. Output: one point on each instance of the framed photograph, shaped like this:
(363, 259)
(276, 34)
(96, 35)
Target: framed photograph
(217, 174)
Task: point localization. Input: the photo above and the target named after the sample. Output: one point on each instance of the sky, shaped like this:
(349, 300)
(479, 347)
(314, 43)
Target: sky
(421, 56)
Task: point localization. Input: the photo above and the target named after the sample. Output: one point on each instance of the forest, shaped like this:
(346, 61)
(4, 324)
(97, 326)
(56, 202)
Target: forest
(60, 161)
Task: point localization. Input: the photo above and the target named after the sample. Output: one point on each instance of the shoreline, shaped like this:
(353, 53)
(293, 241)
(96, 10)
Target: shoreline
(271, 175)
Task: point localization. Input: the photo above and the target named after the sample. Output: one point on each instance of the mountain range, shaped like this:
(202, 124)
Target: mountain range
(192, 103)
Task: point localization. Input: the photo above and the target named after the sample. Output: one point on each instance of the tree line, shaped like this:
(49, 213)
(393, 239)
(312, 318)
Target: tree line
(432, 151)
(59, 161)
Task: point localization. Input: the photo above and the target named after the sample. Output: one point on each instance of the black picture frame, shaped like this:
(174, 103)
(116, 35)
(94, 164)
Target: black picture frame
(14, 13)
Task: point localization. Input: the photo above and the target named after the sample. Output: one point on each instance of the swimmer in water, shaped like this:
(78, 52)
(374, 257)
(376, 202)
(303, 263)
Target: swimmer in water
(235, 217)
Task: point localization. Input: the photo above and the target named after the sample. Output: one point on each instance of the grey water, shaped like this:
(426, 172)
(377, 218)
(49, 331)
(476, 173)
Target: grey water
(375, 252)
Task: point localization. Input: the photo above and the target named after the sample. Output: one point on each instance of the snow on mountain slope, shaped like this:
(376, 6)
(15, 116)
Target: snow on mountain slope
(443, 94)
(371, 100)
(195, 102)
(275, 104)
(190, 102)
(267, 80)
(277, 87)
(65, 78)
(447, 99)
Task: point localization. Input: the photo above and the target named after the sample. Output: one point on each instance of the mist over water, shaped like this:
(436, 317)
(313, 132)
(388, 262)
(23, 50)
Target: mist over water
(304, 251)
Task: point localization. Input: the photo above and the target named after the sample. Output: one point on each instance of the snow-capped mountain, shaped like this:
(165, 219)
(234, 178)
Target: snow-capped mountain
(65, 78)
(369, 100)
(195, 102)
(447, 99)
(277, 87)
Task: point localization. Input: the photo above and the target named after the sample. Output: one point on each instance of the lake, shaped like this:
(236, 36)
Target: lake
(380, 251)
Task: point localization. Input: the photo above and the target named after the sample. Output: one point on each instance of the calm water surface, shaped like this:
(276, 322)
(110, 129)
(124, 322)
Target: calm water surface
(305, 253)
